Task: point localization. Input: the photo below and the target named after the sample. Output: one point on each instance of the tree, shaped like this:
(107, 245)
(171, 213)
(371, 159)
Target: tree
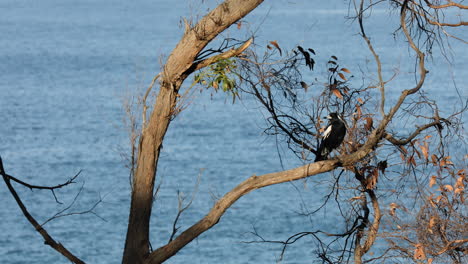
(276, 81)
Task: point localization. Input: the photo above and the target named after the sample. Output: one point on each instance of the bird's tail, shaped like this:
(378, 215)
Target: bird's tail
(322, 154)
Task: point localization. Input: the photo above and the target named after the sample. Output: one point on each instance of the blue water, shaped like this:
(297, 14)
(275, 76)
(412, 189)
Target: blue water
(67, 66)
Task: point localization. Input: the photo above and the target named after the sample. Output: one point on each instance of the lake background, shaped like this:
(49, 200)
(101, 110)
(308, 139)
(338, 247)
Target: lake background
(66, 68)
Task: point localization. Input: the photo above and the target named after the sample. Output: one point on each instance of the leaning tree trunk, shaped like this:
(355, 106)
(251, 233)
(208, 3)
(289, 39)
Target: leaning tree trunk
(179, 65)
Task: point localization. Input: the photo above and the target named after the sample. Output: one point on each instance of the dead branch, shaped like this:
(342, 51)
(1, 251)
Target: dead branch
(419, 129)
(48, 240)
(62, 213)
(40, 187)
(376, 58)
(181, 208)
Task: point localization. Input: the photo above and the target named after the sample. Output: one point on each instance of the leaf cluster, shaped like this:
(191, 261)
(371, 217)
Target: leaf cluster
(219, 75)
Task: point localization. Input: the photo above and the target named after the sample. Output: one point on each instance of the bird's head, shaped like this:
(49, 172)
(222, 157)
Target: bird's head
(332, 116)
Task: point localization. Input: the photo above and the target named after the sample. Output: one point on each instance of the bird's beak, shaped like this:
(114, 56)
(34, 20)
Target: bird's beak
(328, 117)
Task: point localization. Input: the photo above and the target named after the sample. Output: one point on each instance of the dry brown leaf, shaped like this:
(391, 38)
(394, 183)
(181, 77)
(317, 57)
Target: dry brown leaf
(356, 198)
(402, 157)
(434, 159)
(369, 123)
(432, 223)
(275, 43)
(448, 187)
(360, 100)
(337, 93)
(405, 151)
(431, 201)
(304, 85)
(358, 110)
(342, 76)
(446, 161)
(372, 179)
(266, 86)
(345, 70)
(419, 252)
(433, 180)
(425, 150)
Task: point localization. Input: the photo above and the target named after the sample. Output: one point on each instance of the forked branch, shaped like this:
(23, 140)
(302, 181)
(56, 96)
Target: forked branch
(225, 55)
(48, 240)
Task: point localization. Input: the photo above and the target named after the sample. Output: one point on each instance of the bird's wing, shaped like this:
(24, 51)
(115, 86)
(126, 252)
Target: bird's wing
(327, 131)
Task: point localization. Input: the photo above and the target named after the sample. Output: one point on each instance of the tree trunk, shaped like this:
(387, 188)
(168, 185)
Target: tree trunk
(180, 64)
(137, 241)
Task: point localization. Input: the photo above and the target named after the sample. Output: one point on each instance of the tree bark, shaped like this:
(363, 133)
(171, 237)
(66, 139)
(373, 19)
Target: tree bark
(180, 64)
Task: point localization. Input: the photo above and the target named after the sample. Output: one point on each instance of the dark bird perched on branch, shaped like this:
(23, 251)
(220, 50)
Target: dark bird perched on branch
(332, 137)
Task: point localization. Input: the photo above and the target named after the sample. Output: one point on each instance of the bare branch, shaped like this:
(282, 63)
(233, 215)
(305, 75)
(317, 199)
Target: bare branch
(48, 240)
(225, 55)
(400, 142)
(422, 69)
(181, 208)
(62, 213)
(443, 24)
(376, 58)
(39, 187)
(145, 107)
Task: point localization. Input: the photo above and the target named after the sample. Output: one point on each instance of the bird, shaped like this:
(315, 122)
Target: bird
(332, 136)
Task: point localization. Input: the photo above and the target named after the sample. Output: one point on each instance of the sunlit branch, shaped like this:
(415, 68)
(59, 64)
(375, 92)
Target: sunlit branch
(449, 4)
(225, 55)
(450, 245)
(442, 24)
